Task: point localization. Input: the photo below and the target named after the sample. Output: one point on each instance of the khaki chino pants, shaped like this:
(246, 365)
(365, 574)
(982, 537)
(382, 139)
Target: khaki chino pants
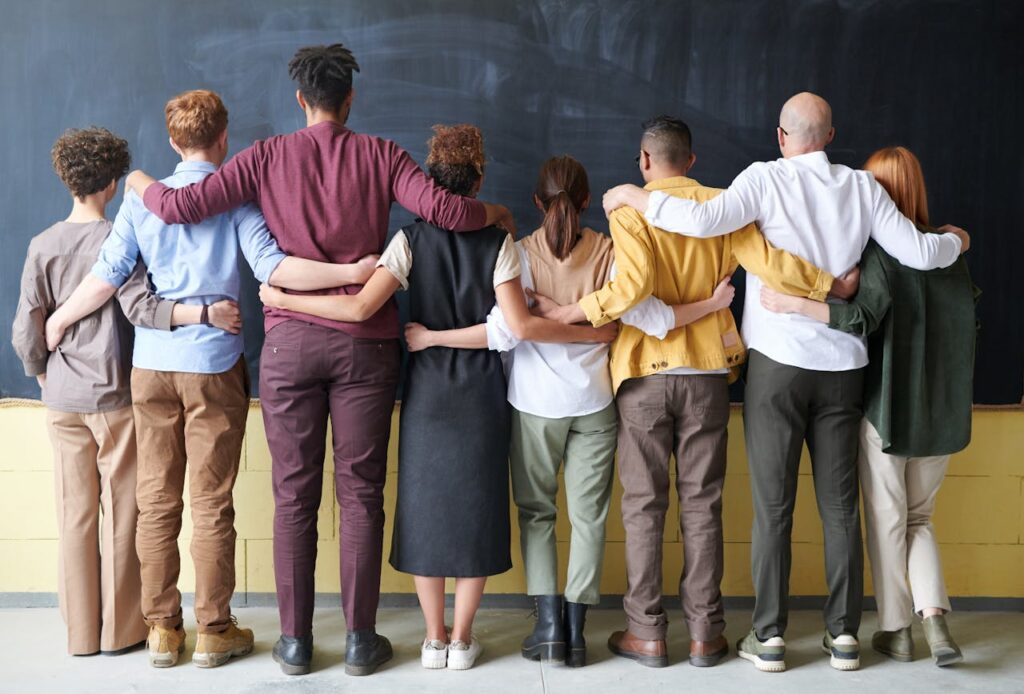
(899, 498)
(198, 419)
(97, 568)
(685, 416)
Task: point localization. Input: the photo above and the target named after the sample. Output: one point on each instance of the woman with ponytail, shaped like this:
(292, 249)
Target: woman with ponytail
(451, 517)
(563, 411)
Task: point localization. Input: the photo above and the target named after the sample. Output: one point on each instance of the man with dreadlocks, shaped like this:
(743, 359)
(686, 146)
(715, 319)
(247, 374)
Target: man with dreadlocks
(326, 193)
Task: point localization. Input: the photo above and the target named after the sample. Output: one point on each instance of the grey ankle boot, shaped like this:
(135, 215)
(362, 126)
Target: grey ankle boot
(944, 648)
(898, 645)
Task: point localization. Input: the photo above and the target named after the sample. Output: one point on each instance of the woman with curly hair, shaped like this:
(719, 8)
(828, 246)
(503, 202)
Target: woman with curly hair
(918, 392)
(452, 515)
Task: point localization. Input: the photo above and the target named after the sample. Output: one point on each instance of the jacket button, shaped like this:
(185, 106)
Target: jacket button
(654, 366)
(664, 364)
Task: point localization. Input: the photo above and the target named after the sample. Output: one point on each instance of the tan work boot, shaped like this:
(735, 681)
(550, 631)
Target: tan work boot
(165, 645)
(216, 649)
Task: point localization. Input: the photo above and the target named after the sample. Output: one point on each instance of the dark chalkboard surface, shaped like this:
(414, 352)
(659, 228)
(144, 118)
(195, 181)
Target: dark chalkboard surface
(541, 78)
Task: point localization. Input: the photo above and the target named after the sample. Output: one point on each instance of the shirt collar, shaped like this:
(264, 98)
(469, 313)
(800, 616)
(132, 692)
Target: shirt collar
(671, 182)
(204, 166)
(811, 158)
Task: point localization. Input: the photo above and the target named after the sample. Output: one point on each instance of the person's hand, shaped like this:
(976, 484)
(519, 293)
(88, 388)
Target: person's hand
(364, 268)
(137, 181)
(417, 337)
(271, 296)
(606, 333)
(543, 306)
(626, 195)
(846, 286)
(55, 329)
(41, 379)
(225, 315)
(723, 294)
(965, 238)
(777, 302)
(506, 222)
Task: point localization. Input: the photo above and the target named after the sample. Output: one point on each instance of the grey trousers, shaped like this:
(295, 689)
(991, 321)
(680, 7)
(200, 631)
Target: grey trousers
(684, 416)
(784, 406)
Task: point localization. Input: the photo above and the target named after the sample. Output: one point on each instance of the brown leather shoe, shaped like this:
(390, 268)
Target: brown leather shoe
(708, 653)
(648, 653)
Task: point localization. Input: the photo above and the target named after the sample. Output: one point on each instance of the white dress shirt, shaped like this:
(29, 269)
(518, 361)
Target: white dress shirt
(565, 380)
(823, 212)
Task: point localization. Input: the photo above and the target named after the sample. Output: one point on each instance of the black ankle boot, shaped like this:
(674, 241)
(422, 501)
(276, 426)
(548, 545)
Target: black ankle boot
(576, 645)
(547, 642)
(365, 651)
(294, 654)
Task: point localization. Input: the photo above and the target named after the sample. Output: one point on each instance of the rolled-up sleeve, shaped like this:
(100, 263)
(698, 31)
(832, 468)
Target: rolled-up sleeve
(258, 246)
(120, 252)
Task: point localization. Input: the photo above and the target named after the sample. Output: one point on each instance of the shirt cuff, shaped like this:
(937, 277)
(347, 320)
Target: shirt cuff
(655, 200)
(267, 266)
(109, 274)
(593, 311)
(36, 367)
(164, 313)
(822, 286)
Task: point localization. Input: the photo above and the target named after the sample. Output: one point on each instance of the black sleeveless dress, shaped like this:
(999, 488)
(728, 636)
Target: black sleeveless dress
(452, 513)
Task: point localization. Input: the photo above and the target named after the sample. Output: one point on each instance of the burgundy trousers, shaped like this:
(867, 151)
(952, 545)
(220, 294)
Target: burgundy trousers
(307, 374)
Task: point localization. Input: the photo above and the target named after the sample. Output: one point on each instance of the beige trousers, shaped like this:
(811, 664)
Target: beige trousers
(899, 497)
(98, 583)
(194, 420)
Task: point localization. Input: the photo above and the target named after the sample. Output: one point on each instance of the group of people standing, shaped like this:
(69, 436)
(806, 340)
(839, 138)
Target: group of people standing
(620, 344)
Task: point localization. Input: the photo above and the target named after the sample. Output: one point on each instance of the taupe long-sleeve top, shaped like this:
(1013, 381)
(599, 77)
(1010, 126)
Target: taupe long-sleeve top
(91, 369)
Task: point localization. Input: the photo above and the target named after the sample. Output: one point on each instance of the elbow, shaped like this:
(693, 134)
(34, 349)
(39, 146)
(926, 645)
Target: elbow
(522, 329)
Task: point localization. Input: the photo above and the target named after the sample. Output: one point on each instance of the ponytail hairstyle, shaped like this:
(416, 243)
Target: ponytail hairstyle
(456, 157)
(899, 172)
(562, 191)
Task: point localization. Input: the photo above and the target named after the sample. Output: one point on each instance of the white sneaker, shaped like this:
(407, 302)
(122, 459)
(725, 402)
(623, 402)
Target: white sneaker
(433, 654)
(462, 655)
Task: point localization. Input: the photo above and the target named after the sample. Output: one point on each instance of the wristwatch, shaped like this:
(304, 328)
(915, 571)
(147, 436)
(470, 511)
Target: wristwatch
(204, 317)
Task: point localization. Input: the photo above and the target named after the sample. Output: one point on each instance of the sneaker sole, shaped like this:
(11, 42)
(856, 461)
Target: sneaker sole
(162, 660)
(843, 664)
(289, 669)
(209, 660)
(763, 665)
(545, 652)
(435, 662)
(462, 664)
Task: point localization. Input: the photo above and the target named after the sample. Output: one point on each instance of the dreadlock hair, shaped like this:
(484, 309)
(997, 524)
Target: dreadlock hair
(456, 157)
(324, 74)
(562, 190)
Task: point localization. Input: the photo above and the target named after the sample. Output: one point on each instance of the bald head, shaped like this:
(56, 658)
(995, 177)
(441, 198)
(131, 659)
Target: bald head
(806, 120)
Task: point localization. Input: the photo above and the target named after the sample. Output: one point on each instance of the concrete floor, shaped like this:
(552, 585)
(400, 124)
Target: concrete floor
(32, 660)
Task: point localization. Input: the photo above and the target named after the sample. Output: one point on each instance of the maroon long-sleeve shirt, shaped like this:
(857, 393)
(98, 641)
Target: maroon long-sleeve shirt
(326, 193)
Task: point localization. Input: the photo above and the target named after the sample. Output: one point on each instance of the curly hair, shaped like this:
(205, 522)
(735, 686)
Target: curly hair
(324, 74)
(456, 158)
(196, 119)
(88, 159)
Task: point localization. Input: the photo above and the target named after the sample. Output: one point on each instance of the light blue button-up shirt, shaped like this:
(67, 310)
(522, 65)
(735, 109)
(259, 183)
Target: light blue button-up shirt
(191, 264)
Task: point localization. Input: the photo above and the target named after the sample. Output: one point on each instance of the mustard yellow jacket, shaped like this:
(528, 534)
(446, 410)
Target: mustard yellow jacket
(681, 270)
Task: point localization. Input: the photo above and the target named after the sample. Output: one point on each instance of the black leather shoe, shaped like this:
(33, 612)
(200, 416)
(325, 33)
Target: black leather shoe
(547, 642)
(294, 654)
(365, 651)
(575, 644)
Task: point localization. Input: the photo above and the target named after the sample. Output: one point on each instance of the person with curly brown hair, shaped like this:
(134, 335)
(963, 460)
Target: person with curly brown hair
(451, 517)
(85, 386)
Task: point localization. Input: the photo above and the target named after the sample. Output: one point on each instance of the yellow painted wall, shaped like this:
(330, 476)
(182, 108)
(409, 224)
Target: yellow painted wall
(979, 519)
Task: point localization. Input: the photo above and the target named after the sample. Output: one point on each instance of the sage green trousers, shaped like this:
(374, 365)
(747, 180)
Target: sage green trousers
(539, 447)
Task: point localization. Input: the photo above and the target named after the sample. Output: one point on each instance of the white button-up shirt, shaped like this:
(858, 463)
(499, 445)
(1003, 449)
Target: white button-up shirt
(824, 213)
(565, 380)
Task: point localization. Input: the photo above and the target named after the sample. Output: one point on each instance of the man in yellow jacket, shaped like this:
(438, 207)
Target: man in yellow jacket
(672, 393)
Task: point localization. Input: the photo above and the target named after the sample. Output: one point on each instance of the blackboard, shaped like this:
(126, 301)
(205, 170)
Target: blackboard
(545, 77)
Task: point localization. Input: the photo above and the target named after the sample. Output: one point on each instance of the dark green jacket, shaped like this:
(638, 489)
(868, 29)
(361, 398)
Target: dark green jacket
(918, 387)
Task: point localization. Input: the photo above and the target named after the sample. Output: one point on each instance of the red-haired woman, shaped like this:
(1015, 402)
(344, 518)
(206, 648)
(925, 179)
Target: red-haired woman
(451, 517)
(918, 393)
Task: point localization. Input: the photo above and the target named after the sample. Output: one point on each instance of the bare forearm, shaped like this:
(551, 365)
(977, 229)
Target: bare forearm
(186, 314)
(348, 308)
(539, 329)
(473, 337)
(90, 295)
(817, 310)
(309, 275)
(691, 313)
